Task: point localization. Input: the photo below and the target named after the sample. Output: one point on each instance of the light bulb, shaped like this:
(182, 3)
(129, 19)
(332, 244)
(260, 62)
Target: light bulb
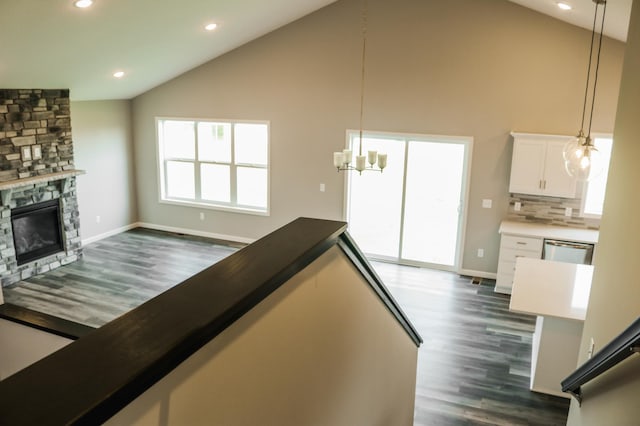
(574, 145)
(83, 3)
(585, 164)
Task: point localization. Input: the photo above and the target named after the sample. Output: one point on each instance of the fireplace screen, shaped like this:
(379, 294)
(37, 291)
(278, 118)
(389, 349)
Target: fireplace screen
(36, 231)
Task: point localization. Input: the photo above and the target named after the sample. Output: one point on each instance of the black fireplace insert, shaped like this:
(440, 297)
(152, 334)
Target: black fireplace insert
(37, 231)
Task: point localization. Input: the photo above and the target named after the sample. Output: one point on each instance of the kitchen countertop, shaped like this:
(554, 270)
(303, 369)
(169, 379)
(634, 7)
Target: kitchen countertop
(549, 288)
(565, 233)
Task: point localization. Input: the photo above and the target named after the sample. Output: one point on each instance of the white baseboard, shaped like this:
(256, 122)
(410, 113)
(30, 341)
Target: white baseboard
(185, 231)
(480, 274)
(108, 234)
(196, 233)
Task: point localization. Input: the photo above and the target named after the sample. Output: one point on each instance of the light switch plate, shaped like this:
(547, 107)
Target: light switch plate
(517, 206)
(568, 211)
(486, 203)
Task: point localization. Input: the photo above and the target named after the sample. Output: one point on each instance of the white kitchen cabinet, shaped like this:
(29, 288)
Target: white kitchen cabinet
(525, 239)
(537, 166)
(512, 247)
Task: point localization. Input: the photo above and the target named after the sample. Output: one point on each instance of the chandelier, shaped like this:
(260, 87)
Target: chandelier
(343, 160)
(582, 159)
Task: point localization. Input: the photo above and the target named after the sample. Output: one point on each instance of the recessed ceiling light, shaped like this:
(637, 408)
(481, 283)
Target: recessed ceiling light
(83, 3)
(210, 27)
(564, 6)
(118, 74)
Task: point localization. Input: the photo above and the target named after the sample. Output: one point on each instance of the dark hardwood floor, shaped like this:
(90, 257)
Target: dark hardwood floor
(473, 368)
(474, 364)
(117, 274)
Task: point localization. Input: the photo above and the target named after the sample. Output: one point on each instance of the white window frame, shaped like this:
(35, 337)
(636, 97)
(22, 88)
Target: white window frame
(197, 201)
(585, 187)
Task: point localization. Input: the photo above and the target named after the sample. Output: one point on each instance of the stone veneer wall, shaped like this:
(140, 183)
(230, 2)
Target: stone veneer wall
(32, 121)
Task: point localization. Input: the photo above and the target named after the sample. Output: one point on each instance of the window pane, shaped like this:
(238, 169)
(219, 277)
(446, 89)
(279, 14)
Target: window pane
(180, 180)
(179, 140)
(375, 203)
(594, 196)
(252, 187)
(215, 182)
(214, 142)
(432, 200)
(251, 143)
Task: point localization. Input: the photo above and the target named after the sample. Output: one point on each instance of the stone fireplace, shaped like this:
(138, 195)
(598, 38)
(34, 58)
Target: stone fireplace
(39, 219)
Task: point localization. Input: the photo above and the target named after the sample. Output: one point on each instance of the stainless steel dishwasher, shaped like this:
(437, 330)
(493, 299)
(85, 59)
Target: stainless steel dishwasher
(567, 251)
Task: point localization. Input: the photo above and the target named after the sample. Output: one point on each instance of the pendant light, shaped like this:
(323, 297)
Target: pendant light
(582, 159)
(342, 159)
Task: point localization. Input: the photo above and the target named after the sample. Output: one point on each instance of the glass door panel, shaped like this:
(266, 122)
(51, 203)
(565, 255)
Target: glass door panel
(432, 202)
(375, 204)
(412, 212)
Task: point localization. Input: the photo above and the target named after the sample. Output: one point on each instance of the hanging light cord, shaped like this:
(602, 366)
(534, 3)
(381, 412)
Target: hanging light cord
(364, 48)
(586, 87)
(595, 78)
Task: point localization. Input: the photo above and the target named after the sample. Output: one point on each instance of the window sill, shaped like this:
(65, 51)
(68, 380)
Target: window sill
(241, 210)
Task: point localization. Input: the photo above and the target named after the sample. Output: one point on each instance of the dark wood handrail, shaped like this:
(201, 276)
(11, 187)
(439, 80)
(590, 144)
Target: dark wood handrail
(44, 322)
(617, 350)
(353, 252)
(90, 380)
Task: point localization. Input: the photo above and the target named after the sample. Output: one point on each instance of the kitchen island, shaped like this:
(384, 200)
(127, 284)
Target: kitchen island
(558, 293)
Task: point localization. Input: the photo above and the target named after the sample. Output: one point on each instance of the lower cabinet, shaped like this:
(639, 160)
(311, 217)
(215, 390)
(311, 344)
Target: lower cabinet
(512, 247)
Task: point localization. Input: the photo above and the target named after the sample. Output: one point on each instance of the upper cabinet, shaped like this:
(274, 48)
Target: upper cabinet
(537, 166)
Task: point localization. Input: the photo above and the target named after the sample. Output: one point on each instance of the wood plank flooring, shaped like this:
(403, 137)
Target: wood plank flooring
(473, 367)
(474, 364)
(117, 274)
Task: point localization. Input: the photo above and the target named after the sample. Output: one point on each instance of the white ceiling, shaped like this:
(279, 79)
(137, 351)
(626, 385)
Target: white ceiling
(616, 19)
(52, 44)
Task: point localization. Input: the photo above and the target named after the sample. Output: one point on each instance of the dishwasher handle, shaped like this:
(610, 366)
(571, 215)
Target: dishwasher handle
(568, 244)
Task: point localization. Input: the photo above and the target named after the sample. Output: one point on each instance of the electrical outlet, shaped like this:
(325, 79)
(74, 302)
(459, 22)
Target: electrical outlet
(517, 206)
(480, 252)
(568, 211)
(201, 215)
(322, 187)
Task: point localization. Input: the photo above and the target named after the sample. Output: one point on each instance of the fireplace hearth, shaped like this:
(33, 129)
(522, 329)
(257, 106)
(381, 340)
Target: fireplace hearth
(36, 231)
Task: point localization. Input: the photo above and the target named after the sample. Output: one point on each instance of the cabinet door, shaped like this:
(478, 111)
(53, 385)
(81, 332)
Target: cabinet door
(557, 182)
(527, 166)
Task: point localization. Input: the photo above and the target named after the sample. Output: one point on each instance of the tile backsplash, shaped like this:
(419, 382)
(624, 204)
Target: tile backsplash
(550, 211)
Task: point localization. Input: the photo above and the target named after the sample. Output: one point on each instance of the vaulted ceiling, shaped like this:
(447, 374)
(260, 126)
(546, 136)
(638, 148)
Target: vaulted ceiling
(53, 44)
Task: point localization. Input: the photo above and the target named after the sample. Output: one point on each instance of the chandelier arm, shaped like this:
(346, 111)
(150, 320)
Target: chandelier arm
(364, 49)
(595, 78)
(586, 87)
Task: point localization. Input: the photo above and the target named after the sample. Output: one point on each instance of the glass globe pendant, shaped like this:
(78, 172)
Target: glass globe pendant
(574, 145)
(582, 159)
(585, 162)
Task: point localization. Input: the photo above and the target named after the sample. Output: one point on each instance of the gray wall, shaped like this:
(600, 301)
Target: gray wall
(612, 399)
(103, 146)
(477, 68)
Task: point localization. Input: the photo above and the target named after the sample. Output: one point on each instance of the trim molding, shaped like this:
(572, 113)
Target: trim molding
(232, 238)
(109, 233)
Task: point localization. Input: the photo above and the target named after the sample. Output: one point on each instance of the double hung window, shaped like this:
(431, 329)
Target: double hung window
(215, 164)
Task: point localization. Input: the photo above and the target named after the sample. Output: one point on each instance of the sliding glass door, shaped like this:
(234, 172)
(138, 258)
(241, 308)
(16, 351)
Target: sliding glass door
(412, 212)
